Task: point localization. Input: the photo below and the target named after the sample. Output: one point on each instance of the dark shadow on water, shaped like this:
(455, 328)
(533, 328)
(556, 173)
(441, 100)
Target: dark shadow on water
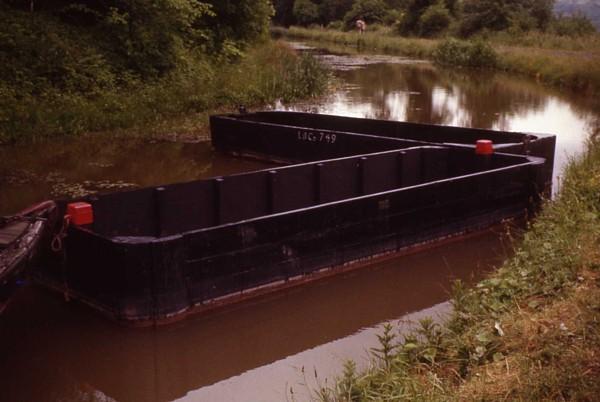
(55, 351)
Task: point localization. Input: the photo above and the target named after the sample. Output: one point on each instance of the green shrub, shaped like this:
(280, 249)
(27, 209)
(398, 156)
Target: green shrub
(392, 17)
(370, 11)
(434, 20)
(306, 12)
(337, 25)
(497, 15)
(68, 68)
(573, 25)
(453, 52)
(263, 74)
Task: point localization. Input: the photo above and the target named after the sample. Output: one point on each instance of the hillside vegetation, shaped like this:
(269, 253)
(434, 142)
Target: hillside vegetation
(524, 37)
(71, 66)
(589, 8)
(432, 18)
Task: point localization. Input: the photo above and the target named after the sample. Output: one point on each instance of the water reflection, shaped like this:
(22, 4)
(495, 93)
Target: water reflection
(424, 93)
(73, 167)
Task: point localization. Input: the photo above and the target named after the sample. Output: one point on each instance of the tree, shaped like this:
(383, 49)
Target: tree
(151, 37)
(412, 12)
(306, 12)
(154, 34)
(477, 14)
(239, 21)
(284, 12)
(334, 10)
(542, 12)
(573, 25)
(434, 20)
(368, 10)
(498, 15)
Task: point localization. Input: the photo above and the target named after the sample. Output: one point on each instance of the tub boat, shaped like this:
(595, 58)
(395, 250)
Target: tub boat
(348, 191)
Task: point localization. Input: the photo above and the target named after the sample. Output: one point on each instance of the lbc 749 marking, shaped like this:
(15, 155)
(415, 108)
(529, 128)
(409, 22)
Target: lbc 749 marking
(316, 137)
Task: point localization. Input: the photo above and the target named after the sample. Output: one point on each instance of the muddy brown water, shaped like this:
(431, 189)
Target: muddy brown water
(56, 351)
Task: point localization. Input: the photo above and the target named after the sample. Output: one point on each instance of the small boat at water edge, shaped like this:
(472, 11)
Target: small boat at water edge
(21, 236)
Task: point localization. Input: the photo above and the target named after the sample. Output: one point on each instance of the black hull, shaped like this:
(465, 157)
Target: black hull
(153, 255)
(294, 137)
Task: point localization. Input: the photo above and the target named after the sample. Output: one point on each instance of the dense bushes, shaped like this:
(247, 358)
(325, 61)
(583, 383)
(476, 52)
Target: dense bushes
(370, 11)
(147, 39)
(468, 54)
(71, 67)
(426, 17)
(266, 73)
(434, 20)
(429, 18)
(573, 25)
(306, 12)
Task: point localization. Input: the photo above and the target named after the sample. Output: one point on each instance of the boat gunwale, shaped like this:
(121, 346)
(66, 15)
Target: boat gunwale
(325, 130)
(525, 134)
(139, 240)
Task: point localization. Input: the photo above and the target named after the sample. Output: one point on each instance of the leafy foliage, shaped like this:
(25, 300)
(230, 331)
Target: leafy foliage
(426, 17)
(334, 10)
(467, 54)
(238, 21)
(76, 66)
(306, 12)
(434, 20)
(573, 25)
(498, 15)
(589, 8)
(331, 10)
(367, 10)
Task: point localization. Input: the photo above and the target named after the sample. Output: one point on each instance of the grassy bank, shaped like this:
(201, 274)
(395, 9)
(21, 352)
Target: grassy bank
(531, 331)
(571, 63)
(380, 40)
(58, 79)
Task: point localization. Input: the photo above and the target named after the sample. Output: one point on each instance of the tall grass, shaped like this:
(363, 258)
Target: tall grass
(529, 332)
(267, 72)
(573, 70)
(468, 54)
(543, 40)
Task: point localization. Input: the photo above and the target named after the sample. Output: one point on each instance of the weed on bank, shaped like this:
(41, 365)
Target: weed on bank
(531, 331)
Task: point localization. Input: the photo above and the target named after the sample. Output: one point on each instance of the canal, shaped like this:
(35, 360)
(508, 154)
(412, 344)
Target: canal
(278, 347)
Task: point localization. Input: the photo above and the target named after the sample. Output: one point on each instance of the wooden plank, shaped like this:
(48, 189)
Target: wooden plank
(11, 232)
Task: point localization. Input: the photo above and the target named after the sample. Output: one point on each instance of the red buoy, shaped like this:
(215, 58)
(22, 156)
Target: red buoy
(80, 213)
(484, 147)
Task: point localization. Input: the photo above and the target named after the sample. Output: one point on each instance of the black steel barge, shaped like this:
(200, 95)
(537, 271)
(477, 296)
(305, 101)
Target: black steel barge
(293, 137)
(152, 255)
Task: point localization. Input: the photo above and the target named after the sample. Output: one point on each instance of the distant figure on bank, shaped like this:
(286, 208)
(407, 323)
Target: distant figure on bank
(361, 26)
